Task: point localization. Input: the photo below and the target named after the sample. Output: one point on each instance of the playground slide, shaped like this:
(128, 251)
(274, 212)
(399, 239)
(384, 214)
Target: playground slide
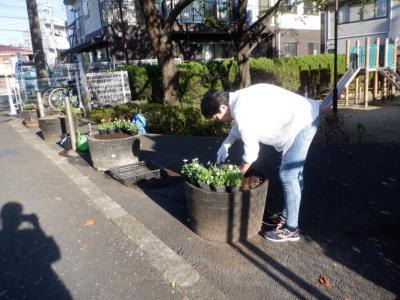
(343, 83)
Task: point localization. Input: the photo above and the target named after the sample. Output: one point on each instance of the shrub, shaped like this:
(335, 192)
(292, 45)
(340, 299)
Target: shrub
(179, 119)
(193, 81)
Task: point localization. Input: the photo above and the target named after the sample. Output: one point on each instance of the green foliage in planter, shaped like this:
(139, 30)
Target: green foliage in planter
(233, 176)
(193, 81)
(190, 170)
(76, 111)
(125, 126)
(29, 106)
(225, 175)
(106, 125)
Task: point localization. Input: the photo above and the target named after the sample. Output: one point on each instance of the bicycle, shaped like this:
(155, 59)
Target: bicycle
(55, 96)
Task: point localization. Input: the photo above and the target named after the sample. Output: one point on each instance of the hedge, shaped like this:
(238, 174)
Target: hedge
(313, 73)
(179, 119)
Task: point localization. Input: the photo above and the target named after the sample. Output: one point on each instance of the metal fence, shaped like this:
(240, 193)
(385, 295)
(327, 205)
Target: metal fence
(105, 85)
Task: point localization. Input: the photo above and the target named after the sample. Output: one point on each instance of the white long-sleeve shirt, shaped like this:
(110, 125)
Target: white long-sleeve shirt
(270, 115)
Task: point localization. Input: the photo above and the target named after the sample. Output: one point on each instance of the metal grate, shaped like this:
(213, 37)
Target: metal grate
(133, 173)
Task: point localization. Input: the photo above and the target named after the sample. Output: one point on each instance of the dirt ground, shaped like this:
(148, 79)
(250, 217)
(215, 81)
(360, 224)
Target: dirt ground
(379, 123)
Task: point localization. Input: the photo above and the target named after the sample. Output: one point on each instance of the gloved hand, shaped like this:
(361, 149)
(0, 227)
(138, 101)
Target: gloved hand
(222, 153)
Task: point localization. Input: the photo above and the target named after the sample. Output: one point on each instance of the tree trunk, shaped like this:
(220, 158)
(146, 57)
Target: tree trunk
(169, 79)
(244, 68)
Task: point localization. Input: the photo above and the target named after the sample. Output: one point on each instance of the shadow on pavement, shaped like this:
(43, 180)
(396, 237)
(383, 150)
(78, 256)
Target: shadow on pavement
(26, 256)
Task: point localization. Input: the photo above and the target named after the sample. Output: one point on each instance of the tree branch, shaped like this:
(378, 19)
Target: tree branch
(270, 11)
(175, 13)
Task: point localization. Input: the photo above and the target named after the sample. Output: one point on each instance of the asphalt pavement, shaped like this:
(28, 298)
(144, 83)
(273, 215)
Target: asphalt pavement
(350, 221)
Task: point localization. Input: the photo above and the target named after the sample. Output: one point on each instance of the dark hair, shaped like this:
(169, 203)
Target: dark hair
(211, 102)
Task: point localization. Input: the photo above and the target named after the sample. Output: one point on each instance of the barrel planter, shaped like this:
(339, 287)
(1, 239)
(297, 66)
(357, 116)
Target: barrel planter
(30, 118)
(109, 153)
(52, 127)
(223, 216)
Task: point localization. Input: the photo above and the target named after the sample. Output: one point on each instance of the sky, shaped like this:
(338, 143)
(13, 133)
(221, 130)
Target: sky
(14, 19)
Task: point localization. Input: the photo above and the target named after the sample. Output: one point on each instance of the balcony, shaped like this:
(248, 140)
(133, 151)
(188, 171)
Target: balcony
(110, 12)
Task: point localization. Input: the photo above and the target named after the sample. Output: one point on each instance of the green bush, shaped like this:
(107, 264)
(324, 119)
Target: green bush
(193, 81)
(144, 82)
(179, 119)
(195, 78)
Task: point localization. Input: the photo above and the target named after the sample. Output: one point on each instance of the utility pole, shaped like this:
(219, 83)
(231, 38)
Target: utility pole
(36, 38)
(335, 69)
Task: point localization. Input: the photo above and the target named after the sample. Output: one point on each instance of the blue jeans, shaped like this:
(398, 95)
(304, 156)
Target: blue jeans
(291, 172)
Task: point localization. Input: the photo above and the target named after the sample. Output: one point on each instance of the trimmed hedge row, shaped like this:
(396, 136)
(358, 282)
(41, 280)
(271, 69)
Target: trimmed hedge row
(179, 119)
(313, 73)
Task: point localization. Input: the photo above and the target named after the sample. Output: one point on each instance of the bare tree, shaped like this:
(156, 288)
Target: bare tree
(160, 29)
(247, 36)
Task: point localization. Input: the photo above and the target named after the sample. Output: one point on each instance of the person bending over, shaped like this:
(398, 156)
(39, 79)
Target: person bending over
(268, 114)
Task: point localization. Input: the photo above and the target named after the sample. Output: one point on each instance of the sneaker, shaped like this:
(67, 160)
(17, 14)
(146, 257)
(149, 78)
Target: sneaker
(282, 235)
(275, 220)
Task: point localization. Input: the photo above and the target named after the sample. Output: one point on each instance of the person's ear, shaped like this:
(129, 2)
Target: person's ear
(223, 108)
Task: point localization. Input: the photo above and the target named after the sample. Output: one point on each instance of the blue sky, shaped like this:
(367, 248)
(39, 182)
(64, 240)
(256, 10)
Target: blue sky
(14, 19)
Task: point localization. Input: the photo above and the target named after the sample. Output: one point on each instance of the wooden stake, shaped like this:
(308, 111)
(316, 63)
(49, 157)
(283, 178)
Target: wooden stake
(366, 77)
(385, 83)
(347, 67)
(357, 79)
(376, 73)
(394, 62)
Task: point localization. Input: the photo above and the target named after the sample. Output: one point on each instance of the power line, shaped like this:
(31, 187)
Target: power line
(14, 30)
(12, 17)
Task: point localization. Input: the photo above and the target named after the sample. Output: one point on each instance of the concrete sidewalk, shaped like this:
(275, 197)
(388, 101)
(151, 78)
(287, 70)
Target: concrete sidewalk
(350, 222)
(83, 244)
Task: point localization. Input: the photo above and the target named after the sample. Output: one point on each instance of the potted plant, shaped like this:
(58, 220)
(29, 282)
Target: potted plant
(119, 124)
(219, 215)
(102, 128)
(233, 179)
(129, 128)
(113, 150)
(218, 179)
(189, 170)
(203, 177)
(30, 115)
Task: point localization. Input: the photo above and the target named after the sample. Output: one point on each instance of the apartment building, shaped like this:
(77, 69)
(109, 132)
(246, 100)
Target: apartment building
(103, 28)
(374, 19)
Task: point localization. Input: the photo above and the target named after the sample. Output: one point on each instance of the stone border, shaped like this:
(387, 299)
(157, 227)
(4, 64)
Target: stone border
(175, 269)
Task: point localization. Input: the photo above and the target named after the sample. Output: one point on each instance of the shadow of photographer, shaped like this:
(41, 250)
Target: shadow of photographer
(26, 257)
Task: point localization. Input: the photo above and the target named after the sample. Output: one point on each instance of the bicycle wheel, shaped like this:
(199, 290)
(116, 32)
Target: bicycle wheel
(57, 97)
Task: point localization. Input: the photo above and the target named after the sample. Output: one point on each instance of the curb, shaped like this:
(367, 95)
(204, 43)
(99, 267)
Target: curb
(175, 269)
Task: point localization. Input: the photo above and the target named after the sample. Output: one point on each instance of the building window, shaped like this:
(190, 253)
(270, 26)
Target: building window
(212, 51)
(85, 8)
(310, 8)
(381, 8)
(313, 48)
(372, 9)
(289, 49)
(290, 6)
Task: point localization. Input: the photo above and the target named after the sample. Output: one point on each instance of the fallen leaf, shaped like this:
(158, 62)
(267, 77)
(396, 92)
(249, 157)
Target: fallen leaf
(90, 222)
(325, 282)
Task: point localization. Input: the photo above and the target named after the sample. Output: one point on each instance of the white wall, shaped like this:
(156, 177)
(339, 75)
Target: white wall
(395, 25)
